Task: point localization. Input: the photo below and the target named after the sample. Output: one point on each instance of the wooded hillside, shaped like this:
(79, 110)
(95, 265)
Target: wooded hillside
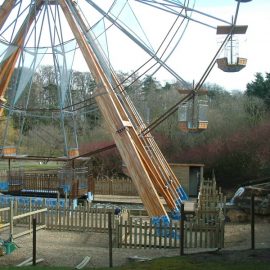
(235, 145)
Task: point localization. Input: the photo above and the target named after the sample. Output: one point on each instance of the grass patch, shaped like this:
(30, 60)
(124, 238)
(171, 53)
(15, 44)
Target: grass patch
(30, 165)
(176, 263)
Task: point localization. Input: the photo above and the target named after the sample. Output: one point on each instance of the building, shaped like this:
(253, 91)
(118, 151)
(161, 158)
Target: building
(189, 175)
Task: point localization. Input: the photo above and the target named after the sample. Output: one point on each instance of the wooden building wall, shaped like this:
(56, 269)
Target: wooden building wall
(189, 175)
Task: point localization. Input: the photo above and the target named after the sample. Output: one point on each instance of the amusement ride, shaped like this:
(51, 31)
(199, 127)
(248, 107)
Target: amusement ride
(64, 34)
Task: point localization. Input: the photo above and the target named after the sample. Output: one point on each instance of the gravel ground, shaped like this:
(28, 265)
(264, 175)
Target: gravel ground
(69, 248)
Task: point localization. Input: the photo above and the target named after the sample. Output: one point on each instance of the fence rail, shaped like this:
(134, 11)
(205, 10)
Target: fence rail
(13, 216)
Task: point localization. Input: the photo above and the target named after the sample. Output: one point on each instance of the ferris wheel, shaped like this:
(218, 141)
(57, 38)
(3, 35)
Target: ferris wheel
(58, 37)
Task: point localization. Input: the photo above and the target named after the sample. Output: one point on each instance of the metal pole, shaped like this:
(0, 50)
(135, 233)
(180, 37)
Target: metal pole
(9, 173)
(110, 239)
(34, 241)
(182, 230)
(11, 219)
(9, 167)
(252, 222)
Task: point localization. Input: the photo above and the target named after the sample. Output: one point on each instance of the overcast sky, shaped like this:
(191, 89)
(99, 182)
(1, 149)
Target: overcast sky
(256, 48)
(255, 45)
(200, 43)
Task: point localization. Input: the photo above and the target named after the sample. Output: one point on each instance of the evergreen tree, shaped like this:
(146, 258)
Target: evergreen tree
(260, 88)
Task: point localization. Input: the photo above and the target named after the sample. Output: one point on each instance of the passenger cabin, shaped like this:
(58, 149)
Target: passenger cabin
(231, 62)
(73, 152)
(192, 116)
(8, 151)
(74, 181)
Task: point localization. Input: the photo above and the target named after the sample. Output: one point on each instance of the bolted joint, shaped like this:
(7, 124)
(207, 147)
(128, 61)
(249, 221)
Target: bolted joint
(122, 129)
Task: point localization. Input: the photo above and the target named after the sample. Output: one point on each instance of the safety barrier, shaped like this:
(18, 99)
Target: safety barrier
(138, 233)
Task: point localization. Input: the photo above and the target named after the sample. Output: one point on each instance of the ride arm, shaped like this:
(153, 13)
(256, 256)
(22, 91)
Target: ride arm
(118, 122)
(154, 161)
(5, 10)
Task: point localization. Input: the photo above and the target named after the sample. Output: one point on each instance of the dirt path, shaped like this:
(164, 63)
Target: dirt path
(69, 248)
(238, 236)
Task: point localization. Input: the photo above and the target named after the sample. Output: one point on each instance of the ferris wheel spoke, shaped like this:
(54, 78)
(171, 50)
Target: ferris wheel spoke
(173, 7)
(138, 42)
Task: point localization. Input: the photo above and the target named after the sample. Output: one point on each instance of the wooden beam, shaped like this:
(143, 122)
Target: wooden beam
(155, 163)
(30, 213)
(5, 10)
(115, 117)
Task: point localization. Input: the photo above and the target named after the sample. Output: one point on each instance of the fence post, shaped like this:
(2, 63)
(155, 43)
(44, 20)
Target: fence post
(117, 231)
(110, 187)
(66, 200)
(34, 241)
(182, 231)
(15, 210)
(11, 219)
(110, 239)
(43, 217)
(252, 213)
(30, 218)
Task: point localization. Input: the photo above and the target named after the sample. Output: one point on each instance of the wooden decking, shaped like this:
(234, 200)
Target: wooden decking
(189, 205)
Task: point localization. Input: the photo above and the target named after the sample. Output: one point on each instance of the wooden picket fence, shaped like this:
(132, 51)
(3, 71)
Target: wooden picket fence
(3, 175)
(133, 228)
(211, 204)
(83, 218)
(129, 231)
(141, 233)
(19, 220)
(49, 181)
(210, 196)
(115, 186)
(203, 229)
